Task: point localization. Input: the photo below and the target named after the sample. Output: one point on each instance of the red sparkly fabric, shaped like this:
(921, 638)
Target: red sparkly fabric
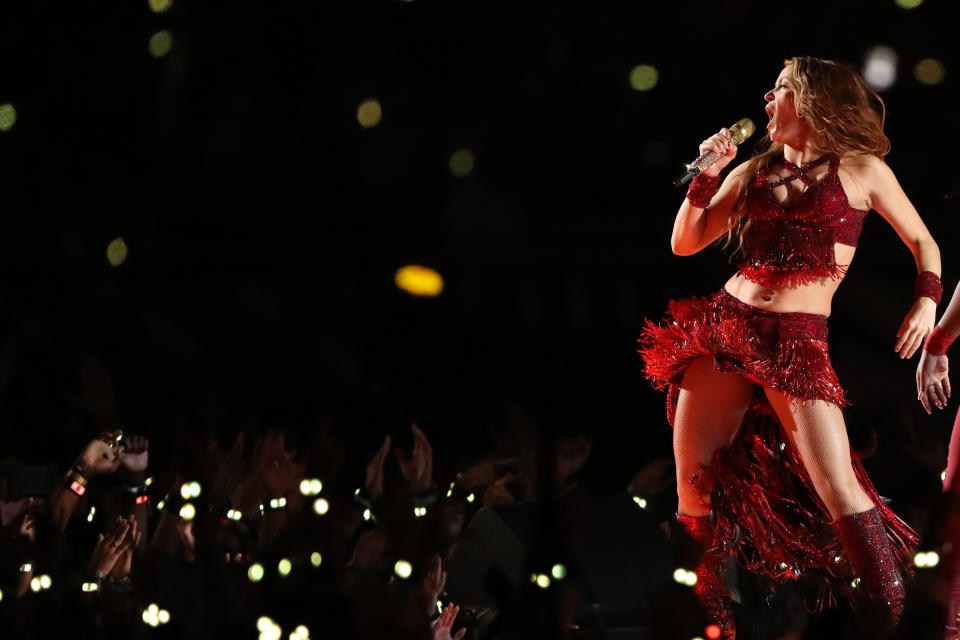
(788, 247)
(760, 492)
(928, 284)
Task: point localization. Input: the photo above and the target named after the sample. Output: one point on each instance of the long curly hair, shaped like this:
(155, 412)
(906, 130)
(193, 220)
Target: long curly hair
(845, 116)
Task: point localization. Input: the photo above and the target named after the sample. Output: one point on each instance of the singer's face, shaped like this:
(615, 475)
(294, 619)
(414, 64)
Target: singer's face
(784, 125)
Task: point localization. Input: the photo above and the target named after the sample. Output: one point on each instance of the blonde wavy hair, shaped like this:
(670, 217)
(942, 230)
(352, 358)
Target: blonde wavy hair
(845, 116)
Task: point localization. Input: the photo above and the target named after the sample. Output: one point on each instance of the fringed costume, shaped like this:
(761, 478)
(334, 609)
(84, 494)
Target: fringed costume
(765, 508)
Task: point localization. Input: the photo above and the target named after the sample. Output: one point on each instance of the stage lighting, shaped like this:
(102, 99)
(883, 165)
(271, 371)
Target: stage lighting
(880, 68)
(369, 113)
(160, 43)
(461, 163)
(643, 77)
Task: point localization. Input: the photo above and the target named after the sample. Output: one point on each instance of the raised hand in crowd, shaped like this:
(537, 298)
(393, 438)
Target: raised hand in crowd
(444, 624)
(114, 545)
(101, 456)
(374, 479)
(418, 468)
(134, 456)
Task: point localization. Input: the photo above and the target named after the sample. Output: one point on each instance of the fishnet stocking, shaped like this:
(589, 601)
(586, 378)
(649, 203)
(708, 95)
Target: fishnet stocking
(710, 409)
(817, 430)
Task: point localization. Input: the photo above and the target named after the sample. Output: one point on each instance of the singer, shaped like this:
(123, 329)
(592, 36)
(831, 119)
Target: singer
(764, 469)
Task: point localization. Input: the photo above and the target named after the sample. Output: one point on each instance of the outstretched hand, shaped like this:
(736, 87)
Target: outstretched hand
(916, 327)
(933, 381)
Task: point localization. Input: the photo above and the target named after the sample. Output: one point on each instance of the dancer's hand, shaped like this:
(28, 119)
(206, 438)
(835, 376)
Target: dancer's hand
(719, 143)
(933, 381)
(916, 326)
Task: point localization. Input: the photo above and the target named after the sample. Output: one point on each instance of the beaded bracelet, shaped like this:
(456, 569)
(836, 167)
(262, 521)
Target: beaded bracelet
(929, 285)
(702, 189)
(938, 342)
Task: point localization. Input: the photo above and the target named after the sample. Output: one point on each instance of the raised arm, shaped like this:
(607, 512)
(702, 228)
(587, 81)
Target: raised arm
(887, 197)
(698, 226)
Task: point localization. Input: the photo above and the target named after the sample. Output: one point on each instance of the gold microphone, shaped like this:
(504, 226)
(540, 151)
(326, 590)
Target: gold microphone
(739, 131)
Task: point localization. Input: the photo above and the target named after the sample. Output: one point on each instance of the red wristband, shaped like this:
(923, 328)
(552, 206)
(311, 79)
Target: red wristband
(938, 342)
(929, 285)
(702, 189)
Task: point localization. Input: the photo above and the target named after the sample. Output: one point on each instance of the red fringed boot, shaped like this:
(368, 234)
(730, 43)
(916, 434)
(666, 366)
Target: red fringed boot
(951, 567)
(864, 541)
(711, 587)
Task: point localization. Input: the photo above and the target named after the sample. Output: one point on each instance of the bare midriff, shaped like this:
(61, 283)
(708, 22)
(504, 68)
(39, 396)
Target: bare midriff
(815, 297)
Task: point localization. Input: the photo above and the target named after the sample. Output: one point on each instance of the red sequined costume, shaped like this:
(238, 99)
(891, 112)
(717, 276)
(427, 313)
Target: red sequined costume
(764, 502)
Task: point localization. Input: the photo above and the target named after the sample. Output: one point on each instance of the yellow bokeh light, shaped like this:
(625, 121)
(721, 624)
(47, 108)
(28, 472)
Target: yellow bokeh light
(559, 572)
(418, 280)
(908, 4)
(159, 6)
(116, 252)
(461, 163)
(160, 43)
(255, 572)
(284, 567)
(321, 506)
(316, 559)
(369, 113)
(929, 71)
(543, 581)
(8, 116)
(643, 77)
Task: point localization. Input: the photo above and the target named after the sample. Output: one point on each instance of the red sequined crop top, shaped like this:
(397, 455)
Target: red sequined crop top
(792, 246)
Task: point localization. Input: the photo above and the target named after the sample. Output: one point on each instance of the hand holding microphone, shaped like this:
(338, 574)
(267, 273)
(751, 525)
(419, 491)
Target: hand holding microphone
(717, 151)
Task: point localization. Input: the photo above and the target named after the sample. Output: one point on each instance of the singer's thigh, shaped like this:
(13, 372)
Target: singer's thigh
(710, 409)
(817, 429)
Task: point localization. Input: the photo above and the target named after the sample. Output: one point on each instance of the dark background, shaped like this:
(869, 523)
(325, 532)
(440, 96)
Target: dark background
(265, 225)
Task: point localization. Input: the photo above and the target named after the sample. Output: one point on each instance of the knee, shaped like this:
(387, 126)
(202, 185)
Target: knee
(841, 493)
(690, 500)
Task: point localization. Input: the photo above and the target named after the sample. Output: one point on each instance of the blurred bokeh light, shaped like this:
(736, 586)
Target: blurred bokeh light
(116, 252)
(908, 4)
(369, 113)
(159, 6)
(8, 116)
(644, 77)
(160, 43)
(461, 163)
(418, 280)
(880, 68)
(929, 71)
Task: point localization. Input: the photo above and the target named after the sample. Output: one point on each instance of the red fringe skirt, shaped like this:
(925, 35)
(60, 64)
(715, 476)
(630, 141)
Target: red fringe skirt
(765, 504)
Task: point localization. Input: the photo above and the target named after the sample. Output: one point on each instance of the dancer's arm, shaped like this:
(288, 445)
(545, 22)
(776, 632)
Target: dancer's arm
(887, 197)
(933, 380)
(696, 227)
